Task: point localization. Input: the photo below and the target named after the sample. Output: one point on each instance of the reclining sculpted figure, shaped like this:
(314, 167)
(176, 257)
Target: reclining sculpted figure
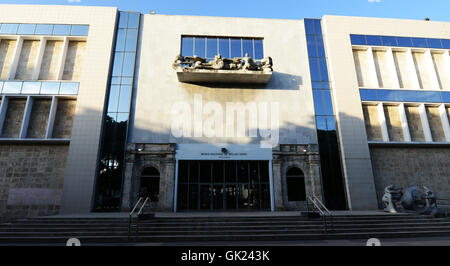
(422, 201)
(218, 63)
(249, 64)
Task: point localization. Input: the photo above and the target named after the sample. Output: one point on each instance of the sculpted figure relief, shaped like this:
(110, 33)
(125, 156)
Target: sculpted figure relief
(391, 199)
(414, 199)
(245, 63)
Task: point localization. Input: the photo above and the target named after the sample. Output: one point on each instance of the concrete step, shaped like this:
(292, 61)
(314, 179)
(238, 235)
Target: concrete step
(222, 237)
(391, 231)
(218, 221)
(234, 218)
(181, 227)
(115, 230)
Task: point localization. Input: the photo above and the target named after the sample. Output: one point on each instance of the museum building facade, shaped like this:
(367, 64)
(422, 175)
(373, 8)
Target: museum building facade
(100, 107)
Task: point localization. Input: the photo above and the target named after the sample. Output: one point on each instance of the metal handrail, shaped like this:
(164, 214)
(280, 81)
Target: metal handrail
(139, 213)
(131, 215)
(135, 206)
(143, 205)
(316, 205)
(323, 206)
(324, 212)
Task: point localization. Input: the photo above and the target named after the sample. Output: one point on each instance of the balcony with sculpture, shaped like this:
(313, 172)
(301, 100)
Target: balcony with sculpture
(223, 70)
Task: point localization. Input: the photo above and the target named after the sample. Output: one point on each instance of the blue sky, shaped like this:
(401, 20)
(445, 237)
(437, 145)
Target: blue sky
(437, 10)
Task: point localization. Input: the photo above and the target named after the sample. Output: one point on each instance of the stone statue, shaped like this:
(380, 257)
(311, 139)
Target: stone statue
(249, 64)
(178, 61)
(266, 64)
(218, 63)
(431, 207)
(412, 201)
(391, 199)
(422, 201)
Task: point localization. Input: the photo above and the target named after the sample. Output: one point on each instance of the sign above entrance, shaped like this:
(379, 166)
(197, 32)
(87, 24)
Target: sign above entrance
(222, 152)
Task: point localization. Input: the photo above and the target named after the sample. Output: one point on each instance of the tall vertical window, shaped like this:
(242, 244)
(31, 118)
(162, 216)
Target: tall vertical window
(109, 180)
(209, 47)
(332, 179)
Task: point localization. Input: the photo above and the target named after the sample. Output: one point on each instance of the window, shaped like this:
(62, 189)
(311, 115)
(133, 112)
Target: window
(26, 29)
(31, 87)
(358, 39)
(404, 96)
(61, 30)
(399, 41)
(44, 29)
(150, 184)
(374, 40)
(388, 41)
(368, 95)
(9, 28)
(79, 30)
(296, 185)
(209, 47)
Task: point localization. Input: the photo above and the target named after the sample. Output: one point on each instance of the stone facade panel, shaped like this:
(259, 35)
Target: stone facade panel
(27, 60)
(14, 117)
(372, 122)
(409, 166)
(31, 179)
(414, 123)
(393, 122)
(37, 126)
(6, 54)
(434, 119)
(50, 60)
(62, 127)
(74, 59)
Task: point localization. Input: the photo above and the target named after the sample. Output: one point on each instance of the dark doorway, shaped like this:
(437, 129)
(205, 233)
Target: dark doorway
(295, 180)
(150, 184)
(223, 185)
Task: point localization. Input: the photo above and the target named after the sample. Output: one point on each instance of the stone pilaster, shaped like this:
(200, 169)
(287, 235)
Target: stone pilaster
(277, 185)
(314, 173)
(128, 179)
(168, 184)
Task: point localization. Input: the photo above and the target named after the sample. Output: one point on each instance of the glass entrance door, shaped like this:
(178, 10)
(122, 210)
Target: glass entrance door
(231, 196)
(218, 197)
(223, 185)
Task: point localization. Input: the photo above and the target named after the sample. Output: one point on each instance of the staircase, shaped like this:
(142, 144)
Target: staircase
(230, 228)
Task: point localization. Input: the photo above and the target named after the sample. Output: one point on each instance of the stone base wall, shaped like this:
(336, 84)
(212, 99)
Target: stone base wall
(407, 166)
(31, 179)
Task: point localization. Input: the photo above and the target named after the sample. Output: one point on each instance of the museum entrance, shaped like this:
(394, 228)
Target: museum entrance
(223, 185)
